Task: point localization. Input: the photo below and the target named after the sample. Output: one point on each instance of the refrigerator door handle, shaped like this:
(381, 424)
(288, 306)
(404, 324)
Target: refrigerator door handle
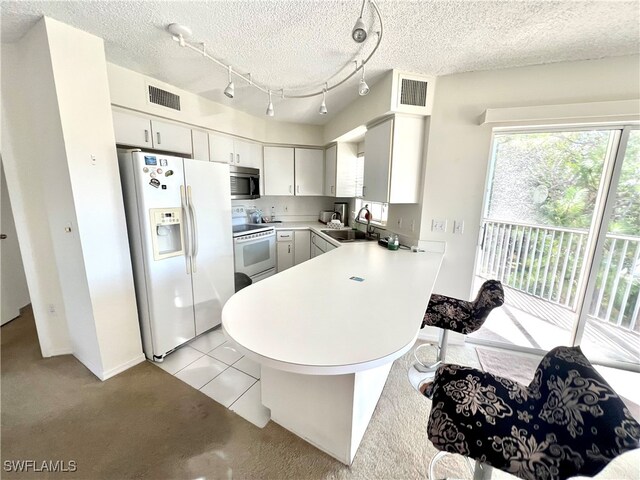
(187, 233)
(194, 230)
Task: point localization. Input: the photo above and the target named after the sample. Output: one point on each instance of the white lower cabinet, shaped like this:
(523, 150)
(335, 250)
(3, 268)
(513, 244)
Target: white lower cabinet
(318, 245)
(285, 256)
(302, 246)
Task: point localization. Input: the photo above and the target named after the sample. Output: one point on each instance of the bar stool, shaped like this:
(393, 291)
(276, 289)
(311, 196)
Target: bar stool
(459, 316)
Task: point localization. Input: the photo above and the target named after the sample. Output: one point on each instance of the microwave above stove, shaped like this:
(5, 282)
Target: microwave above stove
(245, 182)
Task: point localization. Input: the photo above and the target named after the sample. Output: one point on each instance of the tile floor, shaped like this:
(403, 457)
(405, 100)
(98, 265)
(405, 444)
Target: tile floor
(211, 364)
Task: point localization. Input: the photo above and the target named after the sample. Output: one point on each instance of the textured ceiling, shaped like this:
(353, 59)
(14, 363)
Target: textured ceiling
(292, 43)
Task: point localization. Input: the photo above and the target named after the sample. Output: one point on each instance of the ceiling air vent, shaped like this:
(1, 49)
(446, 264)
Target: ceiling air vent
(164, 98)
(413, 92)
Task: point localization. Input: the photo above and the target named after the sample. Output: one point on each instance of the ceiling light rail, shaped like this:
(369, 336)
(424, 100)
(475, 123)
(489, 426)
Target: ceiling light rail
(181, 33)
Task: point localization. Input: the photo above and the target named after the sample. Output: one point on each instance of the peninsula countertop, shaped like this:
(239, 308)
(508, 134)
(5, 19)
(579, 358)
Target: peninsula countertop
(317, 318)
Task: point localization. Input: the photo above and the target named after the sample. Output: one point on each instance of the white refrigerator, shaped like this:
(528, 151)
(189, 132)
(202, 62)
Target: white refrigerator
(179, 222)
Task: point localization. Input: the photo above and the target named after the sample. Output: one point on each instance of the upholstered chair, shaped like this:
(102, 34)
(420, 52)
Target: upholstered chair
(459, 316)
(568, 421)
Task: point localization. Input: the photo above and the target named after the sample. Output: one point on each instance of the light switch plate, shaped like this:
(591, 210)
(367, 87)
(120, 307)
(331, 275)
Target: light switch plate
(438, 225)
(458, 227)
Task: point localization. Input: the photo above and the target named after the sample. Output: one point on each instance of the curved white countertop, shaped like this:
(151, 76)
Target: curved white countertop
(313, 319)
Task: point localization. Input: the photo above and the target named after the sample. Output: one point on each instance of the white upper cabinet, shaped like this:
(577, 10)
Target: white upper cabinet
(200, 142)
(293, 171)
(135, 131)
(309, 172)
(330, 163)
(278, 171)
(393, 160)
(171, 137)
(248, 154)
(132, 130)
(341, 170)
(221, 148)
(241, 153)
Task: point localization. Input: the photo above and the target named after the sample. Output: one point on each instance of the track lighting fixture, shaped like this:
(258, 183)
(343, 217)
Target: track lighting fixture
(359, 31)
(323, 105)
(363, 88)
(182, 34)
(230, 90)
(269, 111)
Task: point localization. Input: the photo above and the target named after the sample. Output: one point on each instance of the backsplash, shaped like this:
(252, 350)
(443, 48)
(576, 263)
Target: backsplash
(291, 209)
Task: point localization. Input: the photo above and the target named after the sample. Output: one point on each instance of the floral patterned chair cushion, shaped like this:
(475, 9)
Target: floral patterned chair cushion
(566, 422)
(460, 315)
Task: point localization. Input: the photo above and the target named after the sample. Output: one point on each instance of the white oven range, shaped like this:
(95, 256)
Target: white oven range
(254, 248)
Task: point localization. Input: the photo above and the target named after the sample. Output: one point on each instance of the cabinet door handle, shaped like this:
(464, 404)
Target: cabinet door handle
(158, 135)
(331, 188)
(298, 188)
(289, 251)
(146, 136)
(290, 189)
(238, 157)
(231, 157)
(364, 190)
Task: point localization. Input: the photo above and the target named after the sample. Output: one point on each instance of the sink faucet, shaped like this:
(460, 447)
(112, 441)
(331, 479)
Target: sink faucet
(368, 217)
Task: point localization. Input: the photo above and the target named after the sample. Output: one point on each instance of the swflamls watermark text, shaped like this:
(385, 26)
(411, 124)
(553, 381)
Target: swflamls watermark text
(60, 466)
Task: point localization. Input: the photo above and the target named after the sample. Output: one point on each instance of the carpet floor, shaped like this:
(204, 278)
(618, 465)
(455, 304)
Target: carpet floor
(146, 424)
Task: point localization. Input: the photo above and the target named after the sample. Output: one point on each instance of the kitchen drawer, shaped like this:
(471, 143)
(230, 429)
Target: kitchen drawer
(284, 235)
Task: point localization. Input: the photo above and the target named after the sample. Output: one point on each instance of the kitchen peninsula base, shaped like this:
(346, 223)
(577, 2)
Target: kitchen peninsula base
(329, 411)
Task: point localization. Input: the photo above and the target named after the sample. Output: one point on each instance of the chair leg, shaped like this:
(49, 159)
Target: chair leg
(482, 471)
(442, 352)
(432, 464)
(444, 341)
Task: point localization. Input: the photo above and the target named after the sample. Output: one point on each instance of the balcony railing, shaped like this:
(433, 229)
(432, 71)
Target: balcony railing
(546, 262)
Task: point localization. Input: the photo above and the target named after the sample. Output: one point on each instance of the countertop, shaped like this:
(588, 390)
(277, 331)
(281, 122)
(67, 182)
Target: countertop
(314, 319)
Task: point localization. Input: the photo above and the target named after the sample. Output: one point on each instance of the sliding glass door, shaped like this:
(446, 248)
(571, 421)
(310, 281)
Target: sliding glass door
(561, 230)
(609, 327)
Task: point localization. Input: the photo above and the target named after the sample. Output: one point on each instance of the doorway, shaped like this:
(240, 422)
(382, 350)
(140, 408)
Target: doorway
(561, 231)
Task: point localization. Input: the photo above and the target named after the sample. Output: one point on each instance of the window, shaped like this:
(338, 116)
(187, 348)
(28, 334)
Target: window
(379, 211)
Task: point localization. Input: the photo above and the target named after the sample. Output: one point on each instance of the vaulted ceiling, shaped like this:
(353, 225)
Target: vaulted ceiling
(288, 44)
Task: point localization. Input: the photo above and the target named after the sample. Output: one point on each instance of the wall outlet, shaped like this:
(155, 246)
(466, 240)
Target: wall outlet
(52, 310)
(458, 227)
(438, 225)
(286, 209)
(399, 222)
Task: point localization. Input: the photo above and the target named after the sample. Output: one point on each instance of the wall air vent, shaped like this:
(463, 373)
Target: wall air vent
(164, 98)
(412, 93)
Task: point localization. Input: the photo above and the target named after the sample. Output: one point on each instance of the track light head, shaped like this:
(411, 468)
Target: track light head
(269, 111)
(359, 31)
(323, 105)
(363, 88)
(230, 90)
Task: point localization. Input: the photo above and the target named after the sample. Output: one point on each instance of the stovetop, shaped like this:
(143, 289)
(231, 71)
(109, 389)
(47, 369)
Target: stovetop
(249, 227)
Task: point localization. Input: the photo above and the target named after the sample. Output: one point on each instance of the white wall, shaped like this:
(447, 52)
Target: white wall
(458, 148)
(70, 217)
(129, 90)
(31, 135)
(14, 294)
(97, 194)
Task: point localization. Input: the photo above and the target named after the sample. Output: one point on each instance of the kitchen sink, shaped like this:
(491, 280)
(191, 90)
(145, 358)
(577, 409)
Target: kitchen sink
(348, 235)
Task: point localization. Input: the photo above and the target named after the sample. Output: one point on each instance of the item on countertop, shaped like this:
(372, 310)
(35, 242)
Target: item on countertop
(394, 243)
(335, 224)
(326, 216)
(256, 216)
